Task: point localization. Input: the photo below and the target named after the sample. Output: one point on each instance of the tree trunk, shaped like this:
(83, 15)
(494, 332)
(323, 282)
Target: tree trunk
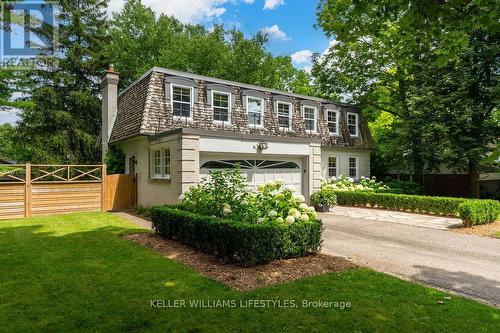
(473, 178)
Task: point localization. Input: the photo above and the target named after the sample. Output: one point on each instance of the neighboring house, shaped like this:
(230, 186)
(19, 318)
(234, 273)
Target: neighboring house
(175, 127)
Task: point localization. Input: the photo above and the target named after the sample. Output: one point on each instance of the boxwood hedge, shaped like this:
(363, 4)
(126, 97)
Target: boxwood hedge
(234, 240)
(479, 211)
(472, 211)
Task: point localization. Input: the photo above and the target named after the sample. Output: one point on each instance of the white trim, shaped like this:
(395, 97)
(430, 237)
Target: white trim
(357, 124)
(337, 117)
(349, 167)
(337, 166)
(315, 130)
(229, 108)
(262, 112)
(152, 166)
(191, 98)
(290, 111)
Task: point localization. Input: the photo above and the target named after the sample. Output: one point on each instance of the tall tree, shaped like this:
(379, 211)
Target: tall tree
(386, 55)
(63, 122)
(141, 40)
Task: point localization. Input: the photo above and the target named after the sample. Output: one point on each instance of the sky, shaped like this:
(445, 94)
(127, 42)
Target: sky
(288, 23)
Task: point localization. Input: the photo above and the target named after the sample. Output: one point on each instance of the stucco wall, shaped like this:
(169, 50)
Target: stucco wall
(343, 160)
(151, 192)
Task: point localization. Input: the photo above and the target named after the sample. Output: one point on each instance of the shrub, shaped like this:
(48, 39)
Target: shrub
(478, 211)
(216, 194)
(414, 203)
(403, 187)
(224, 195)
(324, 197)
(471, 211)
(343, 183)
(248, 243)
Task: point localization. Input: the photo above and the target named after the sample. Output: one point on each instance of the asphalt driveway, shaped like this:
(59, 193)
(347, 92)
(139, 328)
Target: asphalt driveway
(465, 264)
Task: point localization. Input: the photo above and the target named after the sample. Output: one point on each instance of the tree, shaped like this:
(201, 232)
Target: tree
(63, 122)
(386, 56)
(140, 41)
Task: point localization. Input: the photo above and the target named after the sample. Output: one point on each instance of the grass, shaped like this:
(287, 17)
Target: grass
(72, 273)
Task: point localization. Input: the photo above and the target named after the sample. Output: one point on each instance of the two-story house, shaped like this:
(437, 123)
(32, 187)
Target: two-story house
(175, 127)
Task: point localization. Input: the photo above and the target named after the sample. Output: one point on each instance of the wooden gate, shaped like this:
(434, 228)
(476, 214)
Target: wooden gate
(29, 190)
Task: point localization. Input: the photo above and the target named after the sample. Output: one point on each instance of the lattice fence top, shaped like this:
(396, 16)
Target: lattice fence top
(51, 173)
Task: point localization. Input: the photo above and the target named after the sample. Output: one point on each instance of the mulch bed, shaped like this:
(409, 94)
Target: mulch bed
(488, 229)
(236, 276)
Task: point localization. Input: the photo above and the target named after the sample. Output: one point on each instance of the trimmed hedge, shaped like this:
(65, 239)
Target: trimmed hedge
(473, 211)
(234, 240)
(479, 211)
(414, 203)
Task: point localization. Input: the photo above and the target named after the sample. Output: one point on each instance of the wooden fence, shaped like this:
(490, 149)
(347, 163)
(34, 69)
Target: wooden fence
(33, 189)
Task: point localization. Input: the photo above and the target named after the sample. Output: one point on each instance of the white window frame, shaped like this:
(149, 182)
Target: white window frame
(315, 120)
(263, 110)
(162, 174)
(191, 98)
(349, 167)
(290, 111)
(357, 124)
(337, 166)
(337, 117)
(229, 106)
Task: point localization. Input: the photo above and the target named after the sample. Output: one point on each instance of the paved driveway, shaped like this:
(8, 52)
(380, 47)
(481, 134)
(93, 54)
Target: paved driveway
(465, 264)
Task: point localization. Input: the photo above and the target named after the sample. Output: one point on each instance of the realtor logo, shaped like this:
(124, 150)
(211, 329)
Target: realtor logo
(29, 35)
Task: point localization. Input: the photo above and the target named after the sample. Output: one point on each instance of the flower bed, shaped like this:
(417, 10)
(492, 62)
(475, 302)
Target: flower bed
(470, 210)
(221, 217)
(247, 243)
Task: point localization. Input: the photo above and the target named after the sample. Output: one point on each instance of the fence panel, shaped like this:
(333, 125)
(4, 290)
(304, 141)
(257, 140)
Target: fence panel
(40, 189)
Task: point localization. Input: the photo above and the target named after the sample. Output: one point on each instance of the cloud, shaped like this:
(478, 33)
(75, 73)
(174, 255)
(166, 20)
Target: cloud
(275, 33)
(302, 57)
(186, 11)
(271, 4)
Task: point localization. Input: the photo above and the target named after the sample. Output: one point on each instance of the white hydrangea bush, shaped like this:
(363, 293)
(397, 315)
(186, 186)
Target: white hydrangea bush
(274, 202)
(270, 203)
(343, 183)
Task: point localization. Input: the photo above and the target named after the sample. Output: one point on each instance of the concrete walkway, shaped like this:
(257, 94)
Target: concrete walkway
(465, 264)
(419, 220)
(141, 222)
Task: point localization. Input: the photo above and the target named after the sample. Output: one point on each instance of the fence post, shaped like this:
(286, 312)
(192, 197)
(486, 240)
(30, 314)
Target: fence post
(27, 191)
(103, 187)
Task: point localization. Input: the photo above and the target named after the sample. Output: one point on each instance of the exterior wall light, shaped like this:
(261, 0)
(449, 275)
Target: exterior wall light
(261, 146)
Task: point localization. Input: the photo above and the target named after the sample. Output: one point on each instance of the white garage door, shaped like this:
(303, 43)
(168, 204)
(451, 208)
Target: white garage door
(260, 171)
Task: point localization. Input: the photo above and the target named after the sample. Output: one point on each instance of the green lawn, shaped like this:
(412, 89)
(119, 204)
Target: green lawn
(72, 273)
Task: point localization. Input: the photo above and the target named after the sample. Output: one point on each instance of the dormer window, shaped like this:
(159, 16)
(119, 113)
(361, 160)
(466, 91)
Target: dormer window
(352, 124)
(182, 100)
(309, 114)
(255, 110)
(221, 105)
(284, 111)
(332, 118)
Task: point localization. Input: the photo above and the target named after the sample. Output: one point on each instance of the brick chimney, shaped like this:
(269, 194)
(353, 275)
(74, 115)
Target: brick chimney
(109, 86)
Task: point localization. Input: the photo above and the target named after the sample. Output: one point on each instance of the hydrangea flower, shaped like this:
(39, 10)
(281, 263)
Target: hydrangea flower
(244, 202)
(303, 206)
(279, 181)
(279, 219)
(300, 198)
(260, 220)
(290, 219)
(226, 206)
(226, 211)
(304, 217)
(311, 209)
(290, 188)
(280, 196)
(272, 213)
(293, 211)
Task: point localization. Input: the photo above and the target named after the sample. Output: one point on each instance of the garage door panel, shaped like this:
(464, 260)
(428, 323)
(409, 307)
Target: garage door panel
(259, 174)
